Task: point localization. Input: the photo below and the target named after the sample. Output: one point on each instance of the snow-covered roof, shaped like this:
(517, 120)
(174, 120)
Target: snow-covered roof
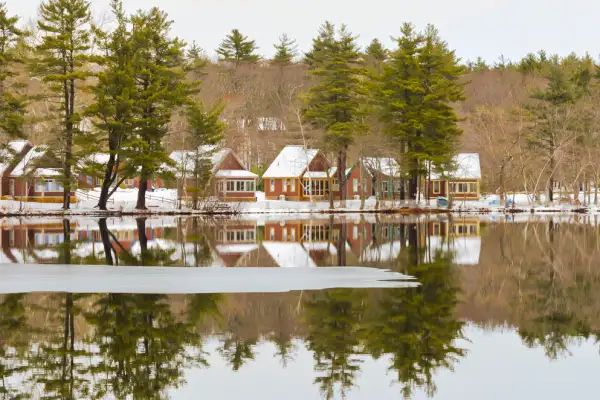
(289, 254)
(97, 158)
(467, 167)
(47, 172)
(384, 165)
(24, 166)
(186, 159)
(236, 248)
(316, 175)
(7, 154)
(235, 173)
(384, 252)
(466, 249)
(291, 162)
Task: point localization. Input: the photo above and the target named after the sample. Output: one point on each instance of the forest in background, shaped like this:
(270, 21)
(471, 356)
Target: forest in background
(129, 88)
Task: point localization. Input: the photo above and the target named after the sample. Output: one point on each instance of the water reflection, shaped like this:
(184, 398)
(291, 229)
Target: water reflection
(535, 278)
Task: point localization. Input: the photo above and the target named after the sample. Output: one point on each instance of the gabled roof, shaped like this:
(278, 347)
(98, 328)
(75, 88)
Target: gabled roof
(291, 162)
(7, 154)
(28, 161)
(384, 165)
(187, 158)
(467, 167)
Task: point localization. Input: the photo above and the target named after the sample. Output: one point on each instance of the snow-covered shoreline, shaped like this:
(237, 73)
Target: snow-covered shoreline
(164, 203)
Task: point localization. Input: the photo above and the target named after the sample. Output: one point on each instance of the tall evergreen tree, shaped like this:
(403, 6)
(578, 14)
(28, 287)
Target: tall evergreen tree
(114, 106)
(418, 86)
(326, 35)
(12, 100)
(375, 55)
(160, 87)
(286, 50)
(205, 132)
(63, 52)
(336, 103)
(237, 48)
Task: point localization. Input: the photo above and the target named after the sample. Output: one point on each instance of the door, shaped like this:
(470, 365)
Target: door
(11, 187)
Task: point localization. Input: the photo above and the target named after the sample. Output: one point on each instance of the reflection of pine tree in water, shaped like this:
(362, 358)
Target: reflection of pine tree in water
(237, 351)
(55, 363)
(418, 326)
(549, 322)
(14, 328)
(333, 320)
(142, 346)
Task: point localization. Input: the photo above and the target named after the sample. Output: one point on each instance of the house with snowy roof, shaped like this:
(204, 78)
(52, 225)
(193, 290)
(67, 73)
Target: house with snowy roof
(230, 179)
(37, 176)
(9, 158)
(298, 173)
(461, 181)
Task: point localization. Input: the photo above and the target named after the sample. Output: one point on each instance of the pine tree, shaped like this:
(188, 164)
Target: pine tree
(375, 55)
(286, 50)
(160, 88)
(336, 103)
(65, 27)
(237, 48)
(195, 52)
(12, 100)
(418, 86)
(114, 106)
(325, 36)
(205, 132)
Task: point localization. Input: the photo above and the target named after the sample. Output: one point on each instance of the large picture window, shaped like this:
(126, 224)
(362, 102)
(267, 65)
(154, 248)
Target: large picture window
(240, 186)
(316, 187)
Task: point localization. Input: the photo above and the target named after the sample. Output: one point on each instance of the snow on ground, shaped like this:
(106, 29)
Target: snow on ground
(171, 280)
(164, 201)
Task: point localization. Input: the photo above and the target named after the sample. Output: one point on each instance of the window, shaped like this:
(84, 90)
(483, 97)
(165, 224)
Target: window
(472, 187)
(436, 187)
(89, 180)
(316, 233)
(221, 186)
(285, 234)
(355, 185)
(231, 186)
(11, 238)
(272, 234)
(293, 234)
(436, 229)
(242, 235)
(355, 232)
(459, 187)
(385, 186)
(285, 185)
(240, 186)
(319, 187)
(472, 229)
(397, 186)
(272, 185)
(129, 182)
(39, 187)
(293, 184)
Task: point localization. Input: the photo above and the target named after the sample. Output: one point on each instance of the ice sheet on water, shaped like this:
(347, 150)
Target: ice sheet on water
(100, 279)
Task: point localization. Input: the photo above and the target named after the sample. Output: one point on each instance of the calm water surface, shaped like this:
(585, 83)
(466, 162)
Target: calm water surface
(507, 309)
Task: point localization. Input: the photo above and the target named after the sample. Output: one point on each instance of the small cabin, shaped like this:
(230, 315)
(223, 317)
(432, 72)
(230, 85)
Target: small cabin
(230, 179)
(462, 182)
(299, 174)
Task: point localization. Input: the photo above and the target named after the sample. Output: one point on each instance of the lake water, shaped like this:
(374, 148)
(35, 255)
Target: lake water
(506, 308)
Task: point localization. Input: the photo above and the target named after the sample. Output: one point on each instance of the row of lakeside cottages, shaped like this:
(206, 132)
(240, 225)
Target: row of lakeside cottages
(32, 173)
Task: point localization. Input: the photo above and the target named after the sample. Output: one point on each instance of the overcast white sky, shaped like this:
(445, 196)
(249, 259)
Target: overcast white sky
(474, 28)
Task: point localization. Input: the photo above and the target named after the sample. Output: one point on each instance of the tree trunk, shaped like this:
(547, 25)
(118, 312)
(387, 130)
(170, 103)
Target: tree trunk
(67, 241)
(108, 248)
(141, 225)
(108, 177)
(551, 181)
(141, 200)
(342, 175)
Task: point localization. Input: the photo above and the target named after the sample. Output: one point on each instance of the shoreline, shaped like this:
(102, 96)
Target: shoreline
(404, 210)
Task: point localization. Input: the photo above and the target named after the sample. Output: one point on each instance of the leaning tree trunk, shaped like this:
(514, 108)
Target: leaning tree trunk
(108, 175)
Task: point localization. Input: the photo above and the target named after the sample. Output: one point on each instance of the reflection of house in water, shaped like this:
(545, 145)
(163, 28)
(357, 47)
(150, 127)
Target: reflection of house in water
(302, 243)
(236, 241)
(462, 237)
(35, 242)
